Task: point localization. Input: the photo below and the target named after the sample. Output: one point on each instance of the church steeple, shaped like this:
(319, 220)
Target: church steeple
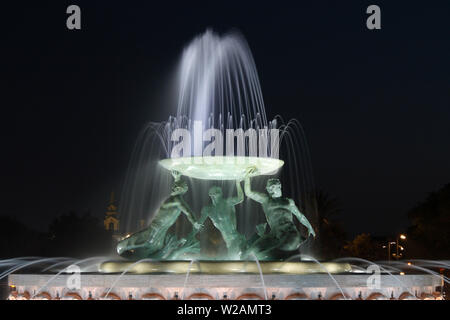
(112, 208)
(111, 220)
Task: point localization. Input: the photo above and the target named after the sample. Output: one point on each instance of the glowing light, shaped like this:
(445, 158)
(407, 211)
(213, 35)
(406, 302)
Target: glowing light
(221, 168)
(224, 267)
(403, 237)
(126, 236)
(402, 273)
(409, 263)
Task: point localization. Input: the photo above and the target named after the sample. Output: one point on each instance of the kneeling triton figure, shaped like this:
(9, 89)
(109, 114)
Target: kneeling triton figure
(283, 235)
(154, 241)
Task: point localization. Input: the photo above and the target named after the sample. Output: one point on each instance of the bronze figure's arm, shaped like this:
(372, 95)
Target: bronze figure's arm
(240, 194)
(257, 196)
(204, 215)
(184, 207)
(293, 208)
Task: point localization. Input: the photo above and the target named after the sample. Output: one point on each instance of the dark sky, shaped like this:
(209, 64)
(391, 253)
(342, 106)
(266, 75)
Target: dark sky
(375, 105)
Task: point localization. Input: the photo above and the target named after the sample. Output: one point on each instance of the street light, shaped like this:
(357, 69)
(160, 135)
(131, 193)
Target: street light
(389, 249)
(397, 255)
(402, 237)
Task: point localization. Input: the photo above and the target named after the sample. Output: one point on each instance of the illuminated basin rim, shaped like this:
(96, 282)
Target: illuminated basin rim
(221, 168)
(223, 267)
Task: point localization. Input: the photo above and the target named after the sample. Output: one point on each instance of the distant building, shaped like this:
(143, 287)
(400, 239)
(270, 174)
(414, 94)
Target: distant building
(111, 221)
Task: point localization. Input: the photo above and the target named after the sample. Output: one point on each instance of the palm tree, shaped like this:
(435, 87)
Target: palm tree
(330, 234)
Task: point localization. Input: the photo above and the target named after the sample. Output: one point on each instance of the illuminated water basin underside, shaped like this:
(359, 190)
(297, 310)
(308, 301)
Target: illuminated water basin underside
(223, 267)
(221, 168)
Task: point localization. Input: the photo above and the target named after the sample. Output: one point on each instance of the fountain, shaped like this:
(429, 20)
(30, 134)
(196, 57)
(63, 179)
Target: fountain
(220, 133)
(206, 237)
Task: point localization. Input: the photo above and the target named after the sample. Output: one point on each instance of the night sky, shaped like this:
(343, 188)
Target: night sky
(375, 105)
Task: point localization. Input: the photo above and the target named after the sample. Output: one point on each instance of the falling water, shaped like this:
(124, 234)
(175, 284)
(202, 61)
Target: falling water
(380, 266)
(78, 263)
(260, 275)
(53, 266)
(188, 272)
(303, 256)
(123, 273)
(425, 270)
(22, 265)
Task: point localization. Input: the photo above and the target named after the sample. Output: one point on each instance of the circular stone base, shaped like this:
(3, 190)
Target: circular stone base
(223, 267)
(225, 286)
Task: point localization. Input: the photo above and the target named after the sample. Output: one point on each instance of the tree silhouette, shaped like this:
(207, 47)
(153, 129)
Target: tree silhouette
(429, 234)
(78, 236)
(363, 246)
(16, 239)
(330, 233)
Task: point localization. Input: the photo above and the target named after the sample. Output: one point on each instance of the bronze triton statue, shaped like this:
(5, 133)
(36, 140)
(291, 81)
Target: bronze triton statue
(283, 234)
(154, 241)
(222, 213)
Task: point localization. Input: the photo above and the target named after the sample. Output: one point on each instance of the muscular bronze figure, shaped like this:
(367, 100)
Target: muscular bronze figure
(279, 211)
(153, 241)
(222, 213)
